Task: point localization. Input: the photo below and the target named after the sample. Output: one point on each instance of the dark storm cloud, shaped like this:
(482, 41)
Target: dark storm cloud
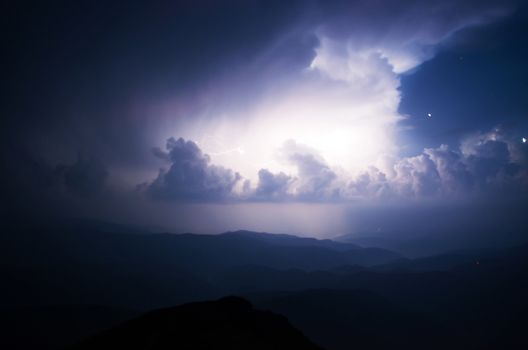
(191, 176)
(27, 175)
(23, 173)
(34, 188)
(86, 177)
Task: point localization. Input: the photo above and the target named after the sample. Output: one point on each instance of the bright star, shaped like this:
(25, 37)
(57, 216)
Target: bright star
(429, 115)
(524, 139)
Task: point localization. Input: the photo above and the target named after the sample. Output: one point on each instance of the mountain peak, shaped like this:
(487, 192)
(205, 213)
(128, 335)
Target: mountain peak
(227, 323)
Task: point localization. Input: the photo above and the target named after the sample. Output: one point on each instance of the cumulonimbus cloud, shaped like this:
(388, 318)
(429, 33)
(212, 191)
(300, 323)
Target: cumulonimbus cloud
(190, 175)
(484, 162)
(336, 116)
(338, 92)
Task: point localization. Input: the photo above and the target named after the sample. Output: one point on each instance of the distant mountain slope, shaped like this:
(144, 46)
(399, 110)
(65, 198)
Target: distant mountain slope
(201, 253)
(151, 270)
(438, 243)
(228, 323)
(292, 240)
(442, 262)
(397, 242)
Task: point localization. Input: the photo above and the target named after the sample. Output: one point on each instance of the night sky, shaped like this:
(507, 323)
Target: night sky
(319, 118)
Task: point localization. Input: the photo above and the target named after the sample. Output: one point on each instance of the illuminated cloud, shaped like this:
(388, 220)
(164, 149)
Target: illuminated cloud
(485, 163)
(338, 94)
(190, 176)
(326, 114)
(272, 186)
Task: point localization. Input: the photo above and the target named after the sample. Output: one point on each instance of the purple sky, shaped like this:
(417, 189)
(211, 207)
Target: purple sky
(312, 117)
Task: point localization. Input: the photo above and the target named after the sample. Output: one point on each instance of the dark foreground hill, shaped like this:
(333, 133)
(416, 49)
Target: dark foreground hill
(228, 323)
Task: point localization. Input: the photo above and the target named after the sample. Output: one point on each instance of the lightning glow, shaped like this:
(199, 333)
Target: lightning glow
(346, 118)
